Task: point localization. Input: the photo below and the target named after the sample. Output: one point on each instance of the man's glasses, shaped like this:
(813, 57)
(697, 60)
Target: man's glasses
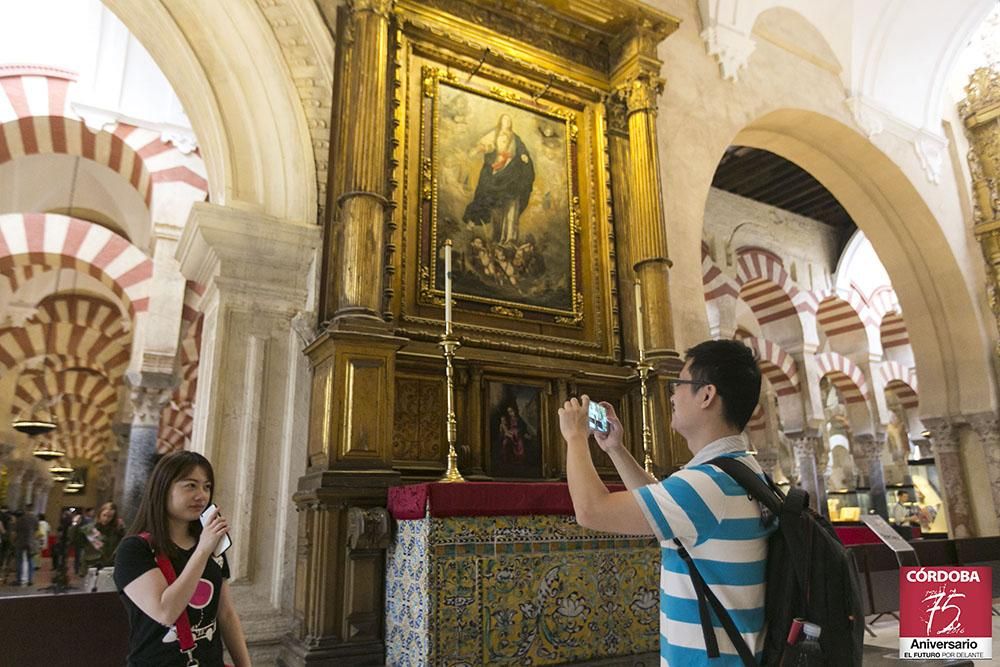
(673, 385)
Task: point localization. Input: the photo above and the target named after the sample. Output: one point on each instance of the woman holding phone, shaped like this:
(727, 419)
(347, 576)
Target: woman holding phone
(175, 592)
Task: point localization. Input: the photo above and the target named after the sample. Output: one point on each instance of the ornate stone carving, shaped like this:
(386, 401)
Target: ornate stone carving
(945, 445)
(309, 56)
(731, 47)
(367, 528)
(147, 404)
(987, 427)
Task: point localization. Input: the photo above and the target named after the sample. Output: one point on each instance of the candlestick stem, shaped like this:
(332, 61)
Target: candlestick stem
(449, 345)
(645, 370)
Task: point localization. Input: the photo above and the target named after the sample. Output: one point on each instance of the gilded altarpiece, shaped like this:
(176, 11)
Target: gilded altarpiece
(505, 150)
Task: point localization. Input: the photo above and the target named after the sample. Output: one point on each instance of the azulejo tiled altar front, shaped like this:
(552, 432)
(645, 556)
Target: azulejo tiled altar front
(525, 589)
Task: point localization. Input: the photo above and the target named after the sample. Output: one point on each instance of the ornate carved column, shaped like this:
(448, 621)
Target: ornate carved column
(355, 235)
(987, 427)
(339, 578)
(148, 393)
(805, 445)
(981, 112)
(867, 453)
(637, 84)
(945, 445)
(252, 403)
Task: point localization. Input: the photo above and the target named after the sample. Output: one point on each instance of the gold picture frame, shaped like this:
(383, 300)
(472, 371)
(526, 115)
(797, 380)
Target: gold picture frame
(514, 224)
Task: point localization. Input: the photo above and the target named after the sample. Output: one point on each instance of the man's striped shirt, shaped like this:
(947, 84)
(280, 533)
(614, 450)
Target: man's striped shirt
(721, 528)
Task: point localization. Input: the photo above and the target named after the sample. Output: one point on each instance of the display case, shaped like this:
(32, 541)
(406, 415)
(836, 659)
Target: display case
(926, 500)
(848, 505)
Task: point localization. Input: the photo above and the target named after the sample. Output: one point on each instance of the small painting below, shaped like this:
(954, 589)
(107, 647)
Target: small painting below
(515, 423)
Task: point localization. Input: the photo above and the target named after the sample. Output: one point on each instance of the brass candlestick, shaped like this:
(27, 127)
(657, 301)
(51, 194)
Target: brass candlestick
(645, 370)
(449, 344)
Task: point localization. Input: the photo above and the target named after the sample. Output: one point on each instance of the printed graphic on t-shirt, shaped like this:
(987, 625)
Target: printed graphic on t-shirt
(201, 598)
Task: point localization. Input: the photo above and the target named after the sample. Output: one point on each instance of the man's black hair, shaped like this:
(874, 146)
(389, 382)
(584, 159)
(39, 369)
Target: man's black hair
(732, 367)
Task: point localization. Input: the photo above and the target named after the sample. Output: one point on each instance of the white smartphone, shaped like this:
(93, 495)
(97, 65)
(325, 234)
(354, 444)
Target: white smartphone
(225, 542)
(597, 416)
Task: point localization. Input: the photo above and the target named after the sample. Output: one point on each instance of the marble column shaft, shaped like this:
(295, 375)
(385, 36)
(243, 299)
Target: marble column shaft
(805, 446)
(148, 401)
(16, 471)
(947, 457)
(868, 457)
(987, 427)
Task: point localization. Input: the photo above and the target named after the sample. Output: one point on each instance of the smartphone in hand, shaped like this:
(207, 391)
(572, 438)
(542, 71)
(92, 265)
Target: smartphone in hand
(225, 542)
(597, 418)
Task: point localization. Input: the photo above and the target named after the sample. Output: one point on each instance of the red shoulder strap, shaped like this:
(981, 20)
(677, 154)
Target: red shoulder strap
(183, 623)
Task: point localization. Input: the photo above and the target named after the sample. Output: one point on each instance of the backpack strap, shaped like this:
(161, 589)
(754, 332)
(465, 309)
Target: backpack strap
(766, 494)
(705, 598)
(762, 491)
(183, 624)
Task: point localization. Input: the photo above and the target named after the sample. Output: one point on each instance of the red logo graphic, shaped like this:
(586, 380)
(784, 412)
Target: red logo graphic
(944, 612)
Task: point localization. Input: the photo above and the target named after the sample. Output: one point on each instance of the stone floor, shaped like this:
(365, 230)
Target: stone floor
(42, 579)
(882, 650)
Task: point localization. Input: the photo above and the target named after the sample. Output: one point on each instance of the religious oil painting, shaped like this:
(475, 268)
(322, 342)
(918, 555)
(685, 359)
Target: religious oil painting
(503, 184)
(515, 425)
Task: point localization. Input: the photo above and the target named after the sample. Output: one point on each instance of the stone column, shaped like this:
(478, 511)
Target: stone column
(42, 489)
(252, 404)
(805, 446)
(987, 427)
(148, 393)
(947, 457)
(637, 84)
(28, 489)
(122, 432)
(867, 453)
(16, 471)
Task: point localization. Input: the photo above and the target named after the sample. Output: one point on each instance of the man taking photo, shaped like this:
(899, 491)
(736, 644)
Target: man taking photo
(700, 506)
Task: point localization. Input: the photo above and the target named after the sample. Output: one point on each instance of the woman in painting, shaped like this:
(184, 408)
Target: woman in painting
(505, 182)
(513, 434)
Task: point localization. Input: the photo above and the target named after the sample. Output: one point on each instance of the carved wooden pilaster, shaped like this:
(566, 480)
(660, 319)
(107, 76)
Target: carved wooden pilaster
(945, 445)
(637, 86)
(344, 530)
(987, 427)
(356, 216)
(981, 112)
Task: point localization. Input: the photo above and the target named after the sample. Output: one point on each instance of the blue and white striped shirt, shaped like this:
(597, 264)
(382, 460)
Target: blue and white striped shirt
(721, 528)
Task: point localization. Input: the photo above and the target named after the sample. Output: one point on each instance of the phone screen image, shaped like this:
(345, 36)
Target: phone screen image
(597, 417)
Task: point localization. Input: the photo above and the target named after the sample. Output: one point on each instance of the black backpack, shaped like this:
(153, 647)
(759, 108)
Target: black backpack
(824, 589)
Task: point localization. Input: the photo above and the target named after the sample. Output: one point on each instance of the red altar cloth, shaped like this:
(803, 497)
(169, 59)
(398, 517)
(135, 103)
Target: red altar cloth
(481, 499)
(864, 535)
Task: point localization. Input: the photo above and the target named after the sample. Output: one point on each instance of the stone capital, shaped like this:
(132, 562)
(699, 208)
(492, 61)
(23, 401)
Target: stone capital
(867, 446)
(987, 427)
(246, 251)
(944, 435)
(148, 394)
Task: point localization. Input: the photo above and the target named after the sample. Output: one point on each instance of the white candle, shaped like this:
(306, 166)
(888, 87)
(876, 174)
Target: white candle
(638, 320)
(447, 286)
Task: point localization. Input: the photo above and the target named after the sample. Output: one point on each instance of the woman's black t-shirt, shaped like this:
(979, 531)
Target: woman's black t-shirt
(151, 643)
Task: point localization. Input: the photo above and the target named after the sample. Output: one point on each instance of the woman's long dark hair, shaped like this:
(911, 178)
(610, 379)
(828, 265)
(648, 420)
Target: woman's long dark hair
(152, 516)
